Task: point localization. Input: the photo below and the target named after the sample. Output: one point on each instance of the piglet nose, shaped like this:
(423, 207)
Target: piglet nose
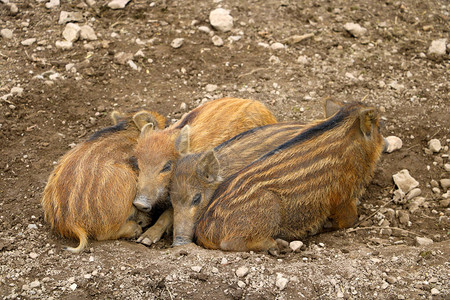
(142, 204)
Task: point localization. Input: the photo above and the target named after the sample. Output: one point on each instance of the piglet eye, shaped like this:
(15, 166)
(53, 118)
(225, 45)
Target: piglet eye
(196, 199)
(167, 167)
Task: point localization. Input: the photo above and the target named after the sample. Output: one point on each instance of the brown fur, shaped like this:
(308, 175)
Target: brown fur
(91, 190)
(293, 190)
(209, 125)
(198, 175)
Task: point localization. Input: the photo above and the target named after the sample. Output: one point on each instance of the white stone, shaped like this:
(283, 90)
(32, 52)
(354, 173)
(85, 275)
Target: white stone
(303, 59)
(183, 106)
(423, 241)
(394, 143)
(177, 43)
(445, 183)
(17, 91)
(52, 4)
(90, 2)
(196, 269)
(33, 255)
(64, 45)
(438, 47)
(396, 86)
(224, 261)
(6, 33)
(217, 41)
(295, 245)
(28, 42)
(277, 46)
(241, 284)
(221, 19)
(264, 45)
(414, 193)
(66, 17)
(87, 276)
(32, 226)
(71, 32)
(73, 286)
(447, 167)
(214, 270)
(35, 284)
(434, 145)
(355, 29)
(281, 281)
(204, 29)
(404, 181)
(118, 4)
(87, 33)
(139, 53)
(274, 59)
(241, 271)
(210, 88)
(435, 291)
(133, 65)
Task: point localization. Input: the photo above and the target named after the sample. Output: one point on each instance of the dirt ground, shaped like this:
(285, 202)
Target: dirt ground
(69, 93)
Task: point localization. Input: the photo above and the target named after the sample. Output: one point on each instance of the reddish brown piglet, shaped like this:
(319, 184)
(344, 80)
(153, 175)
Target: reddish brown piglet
(90, 192)
(209, 125)
(293, 190)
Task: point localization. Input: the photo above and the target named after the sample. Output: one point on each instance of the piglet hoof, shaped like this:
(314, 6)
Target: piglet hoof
(145, 241)
(283, 246)
(274, 251)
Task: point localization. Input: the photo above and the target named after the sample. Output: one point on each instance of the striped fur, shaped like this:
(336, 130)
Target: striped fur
(90, 192)
(196, 176)
(209, 125)
(294, 189)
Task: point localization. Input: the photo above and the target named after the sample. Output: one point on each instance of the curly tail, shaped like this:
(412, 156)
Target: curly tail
(82, 236)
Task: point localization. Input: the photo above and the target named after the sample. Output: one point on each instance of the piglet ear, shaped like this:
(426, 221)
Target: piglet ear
(367, 119)
(149, 127)
(332, 107)
(182, 141)
(208, 167)
(116, 117)
(142, 118)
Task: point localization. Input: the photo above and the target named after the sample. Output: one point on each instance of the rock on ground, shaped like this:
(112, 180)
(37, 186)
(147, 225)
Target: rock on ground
(394, 143)
(6, 33)
(177, 43)
(438, 47)
(71, 32)
(423, 241)
(355, 29)
(221, 19)
(405, 181)
(87, 33)
(118, 4)
(434, 145)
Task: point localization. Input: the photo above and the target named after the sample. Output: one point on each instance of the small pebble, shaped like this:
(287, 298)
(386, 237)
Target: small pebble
(438, 47)
(423, 241)
(118, 4)
(33, 255)
(281, 281)
(217, 41)
(35, 284)
(224, 261)
(204, 29)
(28, 42)
(296, 245)
(6, 33)
(434, 145)
(52, 3)
(241, 284)
(414, 193)
(196, 269)
(73, 286)
(394, 143)
(210, 88)
(64, 45)
(445, 183)
(87, 33)
(355, 29)
(241, 271)
(177, 43)
(404, 181)
(277, 46)
(71, 32)
(447, 167)
(221, 20)
(435, 291)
